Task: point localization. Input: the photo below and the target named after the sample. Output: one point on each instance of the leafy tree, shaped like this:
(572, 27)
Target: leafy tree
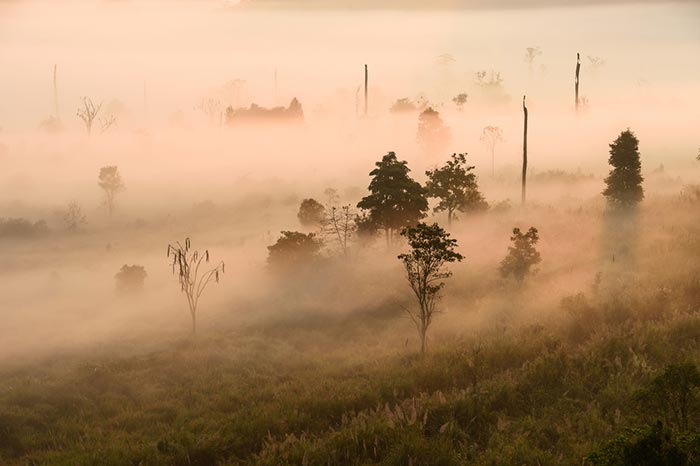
(73, 217)
(673, 394)
(396, 200)
(192, 277)
(455, 186)
(432, 133)
(460, 100)
(112, 184)
(293, 251)
(311, 213)
(624, 183)
(522, 255)
(130, 278)
(431, 249)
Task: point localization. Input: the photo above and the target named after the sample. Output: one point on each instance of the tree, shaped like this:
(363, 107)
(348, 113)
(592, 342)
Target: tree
(340, 225)
(522, 255)
(431, 248)
(624, 183)
(73, 217)
(524, 174)
(455, 186)
(490, 136)
(194, 275)
(311, 213)
(673, 394)
(88, 113)
(432, 134)
(396, 200)
(130, 278)
(112, 184)
(460, 100)
(531, 53)
(293, 251)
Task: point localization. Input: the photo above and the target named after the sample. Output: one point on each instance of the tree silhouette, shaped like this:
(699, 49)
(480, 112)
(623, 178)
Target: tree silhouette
(112, 184)
(130, 278)
(193, 274)
(396, 200)
(73, 217)
(293, 251)
(339, 224)
(624, 183)
(432, 133)
(431, 248)
(311, 213)
(522, 255)
(88, 113)
(490, 136)
(455, 186)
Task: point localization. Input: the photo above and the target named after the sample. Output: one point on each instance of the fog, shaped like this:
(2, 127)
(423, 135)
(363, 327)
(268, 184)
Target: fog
(232, 189)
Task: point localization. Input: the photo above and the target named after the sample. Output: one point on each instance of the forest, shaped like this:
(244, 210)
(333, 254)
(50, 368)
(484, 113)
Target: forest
(400, 236)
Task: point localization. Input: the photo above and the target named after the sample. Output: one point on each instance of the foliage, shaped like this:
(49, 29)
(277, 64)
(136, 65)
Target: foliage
(624, 183)
(456, 187)
(460, 100)
(73, 217)
(294, 251)
(22, 228)
(292, 113)
(396, 200)
(130, 278)
(193, 281)
(311, 213)
(111, 183)
(403, 105)
(432, 133)
(673, 395)
(431, 248)
(522, 255)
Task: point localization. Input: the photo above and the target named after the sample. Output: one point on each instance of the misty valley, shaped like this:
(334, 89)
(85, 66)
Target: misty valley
(296, 233)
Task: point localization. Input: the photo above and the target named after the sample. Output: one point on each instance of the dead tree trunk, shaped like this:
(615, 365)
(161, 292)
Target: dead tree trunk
(576, 80)
(524, 179)
(55, 93)
(366, 82)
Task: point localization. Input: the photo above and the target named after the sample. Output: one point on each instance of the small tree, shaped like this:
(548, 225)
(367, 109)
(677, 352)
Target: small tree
(624, 183)
(293, 251)
(396, 200)
(455, 186)
(460, 100)
(73, 217)
(88, 113)
(112, 184)
(531, 53)
(432, 133)
(490, 136)
(522, 255)
(130, 278)
(193, 274)
(340, 225)
(311, 213)
(431, 248)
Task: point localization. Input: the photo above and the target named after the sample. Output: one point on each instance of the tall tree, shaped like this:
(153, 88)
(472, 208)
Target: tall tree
(522, 255)
(524, 177)
(431, 248)
(624, 183)
(490, 136)
(112, 184)
(396, 200)
(456, 187)
(432, 133)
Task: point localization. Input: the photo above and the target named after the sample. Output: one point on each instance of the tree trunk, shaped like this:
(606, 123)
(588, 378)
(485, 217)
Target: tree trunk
(449, 218)
(194, 322)
(576, 81)
(55, 93)
(366, 83)
(524, 178)
(423, 345)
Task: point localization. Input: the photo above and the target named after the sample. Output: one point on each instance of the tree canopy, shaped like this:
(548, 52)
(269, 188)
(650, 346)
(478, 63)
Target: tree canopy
(624, 183)
(456, 187)
(522, 255)
(396, 200)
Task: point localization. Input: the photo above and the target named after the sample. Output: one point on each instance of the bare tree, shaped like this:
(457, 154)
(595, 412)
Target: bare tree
(576, 79)
(112, 184)
(366, 88)
(107, 122)
(88, 113)
(524, 178)
(490, 136)
(339, 224)
(193, 278)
